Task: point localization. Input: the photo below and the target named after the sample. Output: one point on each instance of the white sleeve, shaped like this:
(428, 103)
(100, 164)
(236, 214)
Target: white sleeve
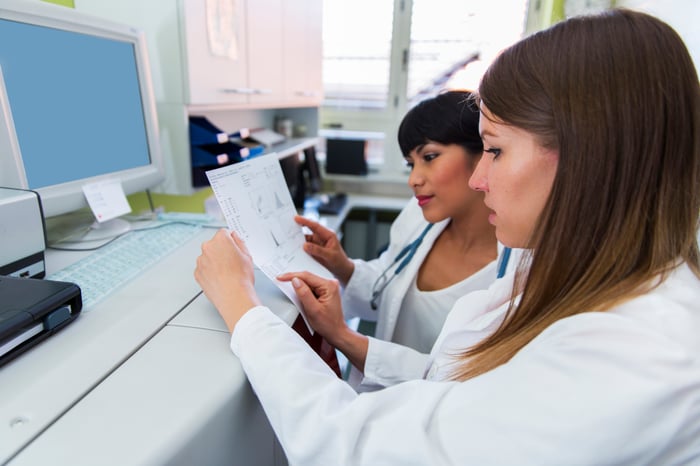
(563, 401)
(389, 363)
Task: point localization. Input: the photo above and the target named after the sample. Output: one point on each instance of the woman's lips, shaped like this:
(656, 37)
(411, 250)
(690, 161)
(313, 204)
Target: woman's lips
(423, 200)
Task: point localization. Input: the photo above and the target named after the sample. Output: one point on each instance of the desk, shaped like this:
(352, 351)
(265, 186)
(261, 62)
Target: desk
(145, 377)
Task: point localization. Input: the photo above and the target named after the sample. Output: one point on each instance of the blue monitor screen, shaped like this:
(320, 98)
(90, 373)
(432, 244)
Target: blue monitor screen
(75, 101)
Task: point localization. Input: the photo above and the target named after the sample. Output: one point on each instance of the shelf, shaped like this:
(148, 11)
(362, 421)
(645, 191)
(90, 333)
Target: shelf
(291, 146)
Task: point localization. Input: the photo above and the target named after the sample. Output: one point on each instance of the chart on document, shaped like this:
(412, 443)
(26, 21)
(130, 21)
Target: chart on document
(256, 203)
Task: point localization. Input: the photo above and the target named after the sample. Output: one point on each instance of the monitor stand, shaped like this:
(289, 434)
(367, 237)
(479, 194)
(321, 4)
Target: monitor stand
(107, 230)
(80, 226)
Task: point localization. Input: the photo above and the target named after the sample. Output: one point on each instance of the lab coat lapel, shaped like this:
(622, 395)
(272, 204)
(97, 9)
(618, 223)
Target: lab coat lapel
(396, 291)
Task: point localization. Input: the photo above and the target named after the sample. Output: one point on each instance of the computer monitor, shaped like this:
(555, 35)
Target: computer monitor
(76, 105)
(314, 181)
(292, 169)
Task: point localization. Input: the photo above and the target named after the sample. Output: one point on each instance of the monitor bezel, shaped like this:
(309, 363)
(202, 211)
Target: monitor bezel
(68, 197)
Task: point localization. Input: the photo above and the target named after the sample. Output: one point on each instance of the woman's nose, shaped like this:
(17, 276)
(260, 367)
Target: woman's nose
(415, 178)
(478, 181)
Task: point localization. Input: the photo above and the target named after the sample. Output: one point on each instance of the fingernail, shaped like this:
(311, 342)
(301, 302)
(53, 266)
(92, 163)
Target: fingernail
(296, 283)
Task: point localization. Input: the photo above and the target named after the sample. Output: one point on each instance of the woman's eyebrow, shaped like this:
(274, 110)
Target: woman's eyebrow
(486, 133)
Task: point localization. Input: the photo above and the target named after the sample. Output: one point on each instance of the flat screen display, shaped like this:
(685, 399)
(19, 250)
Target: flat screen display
(76, 103)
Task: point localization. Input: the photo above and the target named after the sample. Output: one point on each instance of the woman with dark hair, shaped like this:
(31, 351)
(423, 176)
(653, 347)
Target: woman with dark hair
(456, 253)
(589, 354)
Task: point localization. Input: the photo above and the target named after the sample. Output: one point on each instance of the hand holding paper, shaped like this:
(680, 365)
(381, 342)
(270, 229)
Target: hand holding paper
(257, 205)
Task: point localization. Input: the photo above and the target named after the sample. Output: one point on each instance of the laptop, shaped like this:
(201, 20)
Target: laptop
(31, 310)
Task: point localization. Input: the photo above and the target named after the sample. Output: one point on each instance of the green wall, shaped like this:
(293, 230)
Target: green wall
(170, 202)
(68, 3)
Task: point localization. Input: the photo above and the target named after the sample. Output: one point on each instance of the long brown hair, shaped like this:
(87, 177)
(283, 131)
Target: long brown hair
(618, 96)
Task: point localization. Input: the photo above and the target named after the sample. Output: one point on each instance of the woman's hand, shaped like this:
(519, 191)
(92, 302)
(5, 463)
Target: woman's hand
(225, 273)
(320, 299)
(323, 245)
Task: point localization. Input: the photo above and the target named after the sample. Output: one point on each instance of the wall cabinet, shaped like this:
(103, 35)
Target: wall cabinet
(275, 59)
(265, 67)
(302, 53)
(216, 52)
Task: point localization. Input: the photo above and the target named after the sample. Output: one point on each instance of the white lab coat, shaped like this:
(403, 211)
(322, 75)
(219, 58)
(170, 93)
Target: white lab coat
(617, 387)
(388, 363)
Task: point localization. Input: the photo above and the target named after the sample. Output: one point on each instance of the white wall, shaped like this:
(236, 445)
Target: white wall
(682, 15)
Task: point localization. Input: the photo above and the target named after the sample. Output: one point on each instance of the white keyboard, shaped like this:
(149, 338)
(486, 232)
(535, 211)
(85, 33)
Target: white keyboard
(111, 266)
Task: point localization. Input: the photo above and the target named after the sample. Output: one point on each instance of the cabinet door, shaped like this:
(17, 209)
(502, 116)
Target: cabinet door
(265, 51)
(216, 59)
(302, 52)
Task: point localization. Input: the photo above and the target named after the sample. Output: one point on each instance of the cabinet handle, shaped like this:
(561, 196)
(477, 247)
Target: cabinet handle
(305, 93)
(262, 91)
(239, 90)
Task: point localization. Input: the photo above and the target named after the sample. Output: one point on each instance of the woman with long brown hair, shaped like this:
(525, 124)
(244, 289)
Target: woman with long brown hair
(590, 353)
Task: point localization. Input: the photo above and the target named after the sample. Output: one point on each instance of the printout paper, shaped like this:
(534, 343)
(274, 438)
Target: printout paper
(106, 199)
(256, 204)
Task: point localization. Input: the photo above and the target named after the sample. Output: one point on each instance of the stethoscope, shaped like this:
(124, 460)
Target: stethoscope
(407, 254)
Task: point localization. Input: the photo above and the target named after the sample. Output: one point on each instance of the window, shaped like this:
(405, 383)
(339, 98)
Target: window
(448, 36)
(383, 56)
(356, 52)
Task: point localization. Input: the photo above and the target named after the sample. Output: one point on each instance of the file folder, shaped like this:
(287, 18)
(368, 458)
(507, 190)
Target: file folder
(211, 147)
(202, 131)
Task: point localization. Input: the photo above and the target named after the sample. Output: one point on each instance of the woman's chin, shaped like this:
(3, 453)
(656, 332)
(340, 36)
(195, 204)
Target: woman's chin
(508, 240)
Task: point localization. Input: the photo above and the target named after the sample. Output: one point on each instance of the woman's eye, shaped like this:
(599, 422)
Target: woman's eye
(430, 156)
(409, 164)
(493, 150)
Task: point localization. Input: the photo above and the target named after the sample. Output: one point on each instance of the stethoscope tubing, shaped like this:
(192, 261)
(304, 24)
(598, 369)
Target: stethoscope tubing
(409, 251)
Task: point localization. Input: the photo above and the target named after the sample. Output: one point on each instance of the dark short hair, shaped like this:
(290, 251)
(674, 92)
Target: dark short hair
(448, 118)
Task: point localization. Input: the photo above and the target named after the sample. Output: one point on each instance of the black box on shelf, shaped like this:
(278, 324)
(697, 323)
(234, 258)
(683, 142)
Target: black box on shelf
(346, 156)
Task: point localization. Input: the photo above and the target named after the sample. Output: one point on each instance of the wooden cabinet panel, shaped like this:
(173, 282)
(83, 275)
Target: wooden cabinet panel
(302, 52)
(216, 57)
(265, 67)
